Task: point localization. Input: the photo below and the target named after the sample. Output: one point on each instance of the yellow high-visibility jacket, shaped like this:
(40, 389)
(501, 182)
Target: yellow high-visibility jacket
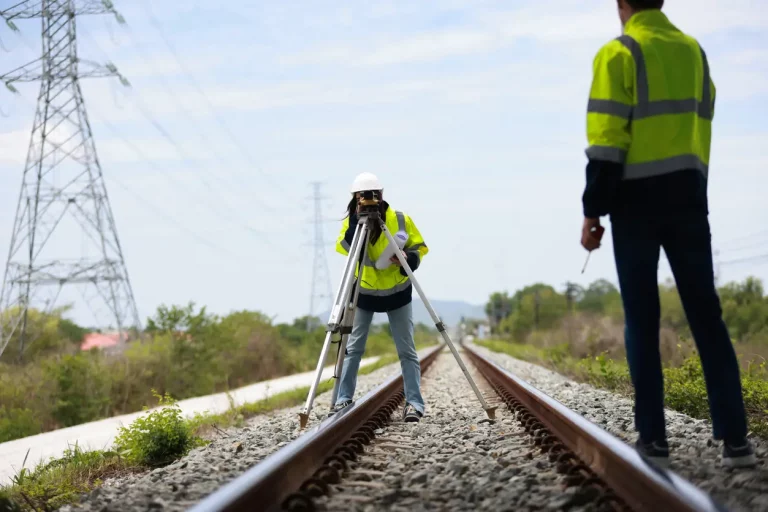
(389, 281)
(652, 100)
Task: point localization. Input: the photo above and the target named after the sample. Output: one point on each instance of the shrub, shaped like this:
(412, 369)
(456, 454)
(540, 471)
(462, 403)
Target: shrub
(7, 504)
(684, 387)
(16, 423)
(82, 388)
(187, 352)
(57, 482)
(158, 438)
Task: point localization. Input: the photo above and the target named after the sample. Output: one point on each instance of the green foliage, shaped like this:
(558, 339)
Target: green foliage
(158, 438)
(186, 352)
(61, 481)
(16, 423)
(600, 297)
(153, 440)
(7, 503)
(685, 388)
(82, 388)
(535, 307)
(540, 307)
(498, 308)
(48, 333)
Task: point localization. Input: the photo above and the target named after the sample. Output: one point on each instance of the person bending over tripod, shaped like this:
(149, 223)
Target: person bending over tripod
(385, 290)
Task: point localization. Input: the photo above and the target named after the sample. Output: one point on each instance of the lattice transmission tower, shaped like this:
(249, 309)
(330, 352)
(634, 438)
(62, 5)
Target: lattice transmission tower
(321, 276)
(64, 233)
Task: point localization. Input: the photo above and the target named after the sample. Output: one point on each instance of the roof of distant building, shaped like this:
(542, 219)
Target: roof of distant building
(99, 340)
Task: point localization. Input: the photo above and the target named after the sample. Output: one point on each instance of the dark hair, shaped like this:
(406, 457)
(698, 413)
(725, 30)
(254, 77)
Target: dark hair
(640, 5)
(376, 230)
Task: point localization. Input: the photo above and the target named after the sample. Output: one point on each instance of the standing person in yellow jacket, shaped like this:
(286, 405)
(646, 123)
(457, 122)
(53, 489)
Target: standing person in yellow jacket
(649, 125)
(386, 290)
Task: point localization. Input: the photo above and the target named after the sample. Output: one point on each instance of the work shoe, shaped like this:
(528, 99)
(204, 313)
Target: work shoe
(410, 414)
(339, 406)
(655, 451)
(739, 455)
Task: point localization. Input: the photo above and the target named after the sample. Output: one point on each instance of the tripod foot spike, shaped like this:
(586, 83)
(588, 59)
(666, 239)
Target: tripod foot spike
(303, 420)
(491, 412)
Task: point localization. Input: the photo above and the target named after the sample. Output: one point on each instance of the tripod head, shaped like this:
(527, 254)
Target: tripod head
(369, 205)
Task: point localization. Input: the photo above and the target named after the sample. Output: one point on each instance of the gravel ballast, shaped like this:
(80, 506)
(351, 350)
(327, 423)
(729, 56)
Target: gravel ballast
(694, 455)
(182, 484)
(453, 459)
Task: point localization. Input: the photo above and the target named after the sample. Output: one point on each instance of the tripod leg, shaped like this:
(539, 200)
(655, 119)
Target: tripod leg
(342, 298)
(490, 411)
(346, 325)
(348, 321)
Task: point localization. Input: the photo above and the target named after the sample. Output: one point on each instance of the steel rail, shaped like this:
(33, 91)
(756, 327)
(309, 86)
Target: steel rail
(291, 476)
(639, 483)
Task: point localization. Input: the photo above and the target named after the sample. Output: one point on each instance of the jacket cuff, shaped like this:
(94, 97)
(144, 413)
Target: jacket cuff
(602, 185)
(413, 261)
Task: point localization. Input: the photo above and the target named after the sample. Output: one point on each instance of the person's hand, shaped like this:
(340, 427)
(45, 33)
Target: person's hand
(591, 234)
(396, 261)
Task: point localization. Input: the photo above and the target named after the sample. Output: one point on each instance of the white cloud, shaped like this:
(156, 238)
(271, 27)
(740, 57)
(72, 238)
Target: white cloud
(484, 96)
(431, 46)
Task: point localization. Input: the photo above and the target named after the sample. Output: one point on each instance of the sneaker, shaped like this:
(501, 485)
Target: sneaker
(339, 406)
(410, 414)
(739, 455)
(655, 451)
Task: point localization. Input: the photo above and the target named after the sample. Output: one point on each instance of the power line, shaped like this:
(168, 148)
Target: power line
(170, 219)
(760, 258)
(201, 136)
(196, 85)
(214, 206)
(177, 183)
(62, 181)
(744, 238)
(141, 199)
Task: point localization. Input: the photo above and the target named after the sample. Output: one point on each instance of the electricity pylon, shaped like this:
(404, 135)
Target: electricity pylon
(321, 276)
(64, 232)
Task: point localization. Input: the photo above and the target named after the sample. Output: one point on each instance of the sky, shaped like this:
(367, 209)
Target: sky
(472, 114)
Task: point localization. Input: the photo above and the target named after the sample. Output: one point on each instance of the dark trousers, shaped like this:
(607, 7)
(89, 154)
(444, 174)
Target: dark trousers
(687, 243)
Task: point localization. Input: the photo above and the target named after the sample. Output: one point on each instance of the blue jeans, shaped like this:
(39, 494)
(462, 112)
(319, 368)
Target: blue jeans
(401, 325)
(686, 241)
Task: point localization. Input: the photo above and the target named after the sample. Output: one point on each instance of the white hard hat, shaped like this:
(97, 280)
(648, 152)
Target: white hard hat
(366, 181)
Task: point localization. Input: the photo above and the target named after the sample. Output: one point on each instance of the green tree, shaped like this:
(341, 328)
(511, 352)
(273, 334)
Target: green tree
(82, 388)
(499, 307)
(538, 306)
(197, 349)
(48, 333)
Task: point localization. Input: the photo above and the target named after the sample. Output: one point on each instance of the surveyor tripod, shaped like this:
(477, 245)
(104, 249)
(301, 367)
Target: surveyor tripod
(345, 303)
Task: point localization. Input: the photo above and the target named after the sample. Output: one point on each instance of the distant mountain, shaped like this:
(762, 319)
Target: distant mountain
(449, 311)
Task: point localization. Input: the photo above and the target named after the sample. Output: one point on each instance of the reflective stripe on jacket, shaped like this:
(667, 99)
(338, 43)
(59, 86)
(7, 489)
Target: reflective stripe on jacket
(651, 101)
(388, 281)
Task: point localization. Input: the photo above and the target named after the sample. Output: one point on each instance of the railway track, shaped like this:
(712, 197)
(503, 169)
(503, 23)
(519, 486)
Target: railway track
(536, 454)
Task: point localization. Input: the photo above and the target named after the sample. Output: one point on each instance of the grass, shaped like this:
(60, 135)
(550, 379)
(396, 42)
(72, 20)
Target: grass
(153, 440)
(684, 385)
(61, 481)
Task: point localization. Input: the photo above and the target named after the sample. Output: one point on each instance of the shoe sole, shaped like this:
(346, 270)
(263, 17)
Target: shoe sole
(745, 461)
(662, 462)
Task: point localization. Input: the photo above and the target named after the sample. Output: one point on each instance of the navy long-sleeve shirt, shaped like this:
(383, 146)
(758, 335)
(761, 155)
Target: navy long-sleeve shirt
(605, 193)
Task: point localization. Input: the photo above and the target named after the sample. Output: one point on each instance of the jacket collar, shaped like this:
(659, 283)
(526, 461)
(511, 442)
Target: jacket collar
(649, 18)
